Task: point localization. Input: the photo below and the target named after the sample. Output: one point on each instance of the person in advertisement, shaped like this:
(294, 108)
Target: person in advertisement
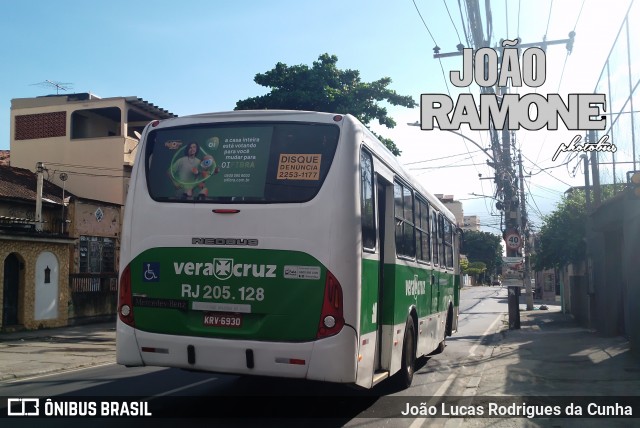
(189, 173)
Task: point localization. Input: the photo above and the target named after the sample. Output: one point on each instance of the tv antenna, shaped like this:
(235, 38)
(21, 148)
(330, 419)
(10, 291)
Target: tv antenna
(60, 86)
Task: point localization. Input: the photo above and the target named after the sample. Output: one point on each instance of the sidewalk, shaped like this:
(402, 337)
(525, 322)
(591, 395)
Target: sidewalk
(37, 352)
(551, 355)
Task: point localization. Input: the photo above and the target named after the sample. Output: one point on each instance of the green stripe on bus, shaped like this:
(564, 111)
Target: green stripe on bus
(278, 293)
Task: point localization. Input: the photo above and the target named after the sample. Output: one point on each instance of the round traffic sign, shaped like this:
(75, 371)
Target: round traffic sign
(513, 240)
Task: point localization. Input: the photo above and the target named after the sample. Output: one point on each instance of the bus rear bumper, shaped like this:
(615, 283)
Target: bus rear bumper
(332, 359)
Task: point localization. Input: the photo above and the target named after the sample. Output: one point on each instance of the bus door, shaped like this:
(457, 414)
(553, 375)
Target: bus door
(381, 194)
(437, 261)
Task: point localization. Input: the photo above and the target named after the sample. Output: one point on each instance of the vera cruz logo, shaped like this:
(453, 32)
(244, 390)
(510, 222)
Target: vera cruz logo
(223, 269)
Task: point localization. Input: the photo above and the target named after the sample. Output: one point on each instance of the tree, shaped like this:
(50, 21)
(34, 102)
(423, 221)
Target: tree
(324, 87)
(562, 236)
(475, 269)
(483, 247)
(561, 240)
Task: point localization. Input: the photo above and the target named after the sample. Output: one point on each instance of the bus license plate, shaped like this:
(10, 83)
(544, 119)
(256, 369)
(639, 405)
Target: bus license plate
(222, 320)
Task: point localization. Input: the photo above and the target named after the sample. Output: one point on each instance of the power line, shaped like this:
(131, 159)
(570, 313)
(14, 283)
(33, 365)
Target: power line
(444, 75)
(452, 165)
(425, 24)
(464, 27)
(548, 20)
(518, 32)
(454, 25)
(444, 157)
(569, 52)
(548, 173)
(82, 166)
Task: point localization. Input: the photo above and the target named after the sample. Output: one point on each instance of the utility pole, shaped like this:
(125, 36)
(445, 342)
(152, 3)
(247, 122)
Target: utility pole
(515, 226)
(527, 248)
(597, 191)
(39, 186)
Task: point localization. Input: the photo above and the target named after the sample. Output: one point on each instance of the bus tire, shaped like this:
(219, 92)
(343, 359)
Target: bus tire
(449, 324)
(404, 377)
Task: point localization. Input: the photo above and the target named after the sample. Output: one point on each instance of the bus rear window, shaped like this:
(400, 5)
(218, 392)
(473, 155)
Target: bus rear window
(239, 162)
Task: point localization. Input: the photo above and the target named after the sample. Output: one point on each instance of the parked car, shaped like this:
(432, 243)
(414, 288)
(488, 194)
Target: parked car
(496, 282)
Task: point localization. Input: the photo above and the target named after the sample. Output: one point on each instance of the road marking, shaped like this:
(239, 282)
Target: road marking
(439, 393)
(486, 333)
(181, 388)
(419, 422)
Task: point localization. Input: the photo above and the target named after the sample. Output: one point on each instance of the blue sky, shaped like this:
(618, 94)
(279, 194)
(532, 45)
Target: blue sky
(201, 56)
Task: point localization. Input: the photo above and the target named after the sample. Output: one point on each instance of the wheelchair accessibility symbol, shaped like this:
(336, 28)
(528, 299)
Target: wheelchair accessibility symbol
(151, 271)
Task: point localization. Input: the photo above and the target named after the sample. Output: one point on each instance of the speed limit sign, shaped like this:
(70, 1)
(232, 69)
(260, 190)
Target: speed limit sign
(513, 240)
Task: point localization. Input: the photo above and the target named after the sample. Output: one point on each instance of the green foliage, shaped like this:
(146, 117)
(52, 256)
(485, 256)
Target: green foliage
(483, 247)
(324, 87)
(464, 264)
(562, 236)
(561, 240)
(475, 268)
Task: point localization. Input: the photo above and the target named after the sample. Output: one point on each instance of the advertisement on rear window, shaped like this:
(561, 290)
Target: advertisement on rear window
(202, 163)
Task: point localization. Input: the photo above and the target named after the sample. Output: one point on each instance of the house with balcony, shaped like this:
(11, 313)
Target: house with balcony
(81, 148)
(88, 140)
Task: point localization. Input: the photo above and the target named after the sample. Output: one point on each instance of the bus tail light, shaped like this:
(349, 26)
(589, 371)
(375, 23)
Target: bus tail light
(125, 299)
(331, 318)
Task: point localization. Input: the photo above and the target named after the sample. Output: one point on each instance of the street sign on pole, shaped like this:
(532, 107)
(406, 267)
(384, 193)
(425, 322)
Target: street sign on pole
(512, 240)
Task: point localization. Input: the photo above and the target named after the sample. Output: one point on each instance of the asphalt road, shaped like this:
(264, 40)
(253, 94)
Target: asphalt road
(452, 372)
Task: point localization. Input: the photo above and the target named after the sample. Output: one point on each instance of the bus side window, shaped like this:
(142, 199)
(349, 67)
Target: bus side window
(435, 254)
(367, 208)
(448, 242)
(441, 243)
(405, 230)
(423, 243)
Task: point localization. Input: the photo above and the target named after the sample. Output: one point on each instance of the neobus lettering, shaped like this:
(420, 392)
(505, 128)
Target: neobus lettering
(224, 241)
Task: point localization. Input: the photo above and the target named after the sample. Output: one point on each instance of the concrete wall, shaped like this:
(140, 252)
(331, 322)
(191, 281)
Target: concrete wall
(614, 252)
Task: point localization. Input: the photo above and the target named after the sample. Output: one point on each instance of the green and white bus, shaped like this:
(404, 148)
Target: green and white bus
(282, 243)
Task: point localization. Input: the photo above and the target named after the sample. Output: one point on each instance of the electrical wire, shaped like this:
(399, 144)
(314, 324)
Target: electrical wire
(548, 20)
(444, 75)
(519, 4)
(443, 157)
(506, 14)
(454, 25)
(568, 52)
(464, 27)
(548, 173)
(66, 165)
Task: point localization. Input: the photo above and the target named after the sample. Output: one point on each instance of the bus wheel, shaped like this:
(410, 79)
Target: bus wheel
(405, 376)
(449, 324)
